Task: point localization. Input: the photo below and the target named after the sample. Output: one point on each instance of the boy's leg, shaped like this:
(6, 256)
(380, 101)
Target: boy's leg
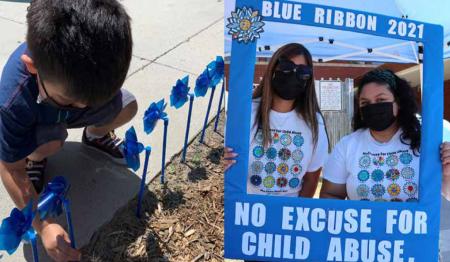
(50, 139)
(46, 150)
(101, 122)
(125, 116)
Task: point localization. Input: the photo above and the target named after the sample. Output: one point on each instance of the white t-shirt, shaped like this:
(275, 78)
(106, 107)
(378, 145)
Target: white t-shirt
(279, 168)
(372, 170)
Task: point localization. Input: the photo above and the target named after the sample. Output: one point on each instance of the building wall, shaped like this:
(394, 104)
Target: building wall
(343, 71)
(326, 71)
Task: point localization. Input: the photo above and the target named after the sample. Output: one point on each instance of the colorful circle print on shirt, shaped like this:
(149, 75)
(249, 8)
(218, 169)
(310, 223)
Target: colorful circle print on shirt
(378, 190)
(393, 174)
(298, 140)
(378, 161)
(259, 137)
(270, 167)
(407, 172)
(377, 175)
(276, 138)
(394, 190)
(297, 155)
(296, 169)
(284, 154)
(363, 191)
(269, 181)
(257, 167)
(294, 182)
(410, 188)
(255, 180)
(405, 158)
(282, 182)
(271, 153)
(364, 162)
(283, 169)
(258, 151)
(392, 160)
(363, 175)
(286, 139)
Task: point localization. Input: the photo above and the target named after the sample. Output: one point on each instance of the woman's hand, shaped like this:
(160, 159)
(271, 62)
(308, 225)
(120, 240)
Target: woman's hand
(445, 159)
(228, 158)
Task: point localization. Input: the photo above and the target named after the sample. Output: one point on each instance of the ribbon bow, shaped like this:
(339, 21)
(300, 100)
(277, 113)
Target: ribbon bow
(17, 227)
(151, 116)
(216, 71)
(202, 83)
(180, 93)
(51, 200)
(132, 149)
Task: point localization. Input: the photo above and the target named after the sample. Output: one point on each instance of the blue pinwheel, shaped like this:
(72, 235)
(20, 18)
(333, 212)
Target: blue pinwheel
(51, 200)
(132, 148)
(216, 71)
(151, 116)
(17, 227)
(180, 93)
(202, 83)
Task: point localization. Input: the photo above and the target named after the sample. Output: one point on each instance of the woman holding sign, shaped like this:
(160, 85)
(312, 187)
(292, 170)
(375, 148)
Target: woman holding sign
(288, 141)
(380, 160)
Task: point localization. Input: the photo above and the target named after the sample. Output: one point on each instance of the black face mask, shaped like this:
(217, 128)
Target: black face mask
(378, 116)
(289, 80)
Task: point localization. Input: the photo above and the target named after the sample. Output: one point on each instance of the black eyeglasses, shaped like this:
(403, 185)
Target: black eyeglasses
(49, 100)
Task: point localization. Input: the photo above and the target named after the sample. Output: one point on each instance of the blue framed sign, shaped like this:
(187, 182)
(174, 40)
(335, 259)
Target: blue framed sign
(267, 228)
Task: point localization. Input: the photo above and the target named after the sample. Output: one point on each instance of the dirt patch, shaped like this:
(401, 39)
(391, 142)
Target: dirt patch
(182, 220)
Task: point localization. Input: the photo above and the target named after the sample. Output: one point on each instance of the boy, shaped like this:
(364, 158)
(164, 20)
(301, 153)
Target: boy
(68, 74)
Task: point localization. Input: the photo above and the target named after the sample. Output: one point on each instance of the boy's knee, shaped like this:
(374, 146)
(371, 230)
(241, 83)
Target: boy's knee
(47, 149)
(132, 108)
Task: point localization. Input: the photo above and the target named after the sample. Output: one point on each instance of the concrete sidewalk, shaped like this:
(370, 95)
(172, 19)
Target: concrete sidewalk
(171, 39)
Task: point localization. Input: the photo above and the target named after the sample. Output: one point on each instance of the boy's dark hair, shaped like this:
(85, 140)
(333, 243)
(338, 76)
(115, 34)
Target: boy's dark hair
(84, 45)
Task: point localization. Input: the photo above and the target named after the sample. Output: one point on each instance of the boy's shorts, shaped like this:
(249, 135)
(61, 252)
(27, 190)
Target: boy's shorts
(91, 117)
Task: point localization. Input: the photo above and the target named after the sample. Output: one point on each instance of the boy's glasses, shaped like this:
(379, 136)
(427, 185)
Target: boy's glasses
(302, 72)
(49, 100)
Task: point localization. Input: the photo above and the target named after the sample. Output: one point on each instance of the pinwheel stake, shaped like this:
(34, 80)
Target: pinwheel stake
(222, 92)
(66, 204)
(154, 113)
(186, 137)
(205, 123)
(18, 227)
(215, 73)
(52, 201)
(178, 97)
(148, 150)
(163, 162)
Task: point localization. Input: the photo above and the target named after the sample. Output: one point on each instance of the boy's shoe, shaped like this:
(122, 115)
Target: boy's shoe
(35, 171)
(110, 145)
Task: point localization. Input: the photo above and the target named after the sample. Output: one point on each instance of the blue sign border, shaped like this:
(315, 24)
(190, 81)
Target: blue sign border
(422, 247)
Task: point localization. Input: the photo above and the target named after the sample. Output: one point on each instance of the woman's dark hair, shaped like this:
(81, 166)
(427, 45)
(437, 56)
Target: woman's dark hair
(305, 104)
(84, 45)
(405, 97)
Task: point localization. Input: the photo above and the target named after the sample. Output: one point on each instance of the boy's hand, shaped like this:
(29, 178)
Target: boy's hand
(228, 158)
(57, 243)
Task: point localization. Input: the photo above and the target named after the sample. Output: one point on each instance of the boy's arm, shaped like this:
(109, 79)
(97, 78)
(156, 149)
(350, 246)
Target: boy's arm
(21, 190)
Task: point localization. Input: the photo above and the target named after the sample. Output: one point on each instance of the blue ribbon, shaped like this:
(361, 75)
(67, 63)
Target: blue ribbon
(51, 200)
(180, 93)
(151, 116)
(132, 149)
(17, 227)
(216, 71)
(202, 83)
